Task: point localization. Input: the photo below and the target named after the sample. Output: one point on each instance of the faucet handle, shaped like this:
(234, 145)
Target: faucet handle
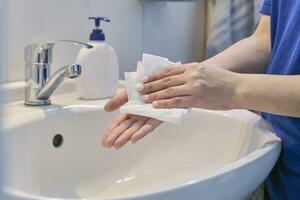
(42, 52)
(50, 44)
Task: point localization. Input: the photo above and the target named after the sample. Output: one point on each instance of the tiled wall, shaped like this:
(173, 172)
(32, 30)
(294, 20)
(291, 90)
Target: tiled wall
(162, 28)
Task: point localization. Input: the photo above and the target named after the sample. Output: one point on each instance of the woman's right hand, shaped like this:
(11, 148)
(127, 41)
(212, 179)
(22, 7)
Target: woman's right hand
(126, 127)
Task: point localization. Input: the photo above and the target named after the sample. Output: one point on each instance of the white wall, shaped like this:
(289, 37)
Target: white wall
(3, 70)
(167, 29)
(38, 20)
(175, 29)
(1, 80)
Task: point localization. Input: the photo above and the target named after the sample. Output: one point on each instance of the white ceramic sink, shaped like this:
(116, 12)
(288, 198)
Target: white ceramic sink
(213, 155)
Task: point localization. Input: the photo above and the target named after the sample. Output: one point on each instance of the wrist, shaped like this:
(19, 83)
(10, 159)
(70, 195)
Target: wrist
(237, 83)
(231, 94)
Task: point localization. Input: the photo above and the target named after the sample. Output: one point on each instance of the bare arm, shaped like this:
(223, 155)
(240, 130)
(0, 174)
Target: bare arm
(277, 94)
(249, 55)
(232, 79)
(200, 86)
(217, 83)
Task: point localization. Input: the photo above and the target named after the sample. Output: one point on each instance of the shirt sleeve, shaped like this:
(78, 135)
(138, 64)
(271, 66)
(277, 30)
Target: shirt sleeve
(266, 7)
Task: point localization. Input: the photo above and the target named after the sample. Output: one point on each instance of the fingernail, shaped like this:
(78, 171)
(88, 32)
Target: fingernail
(145, 79)
(140, 88)
(133, 141)
(155, 103)
(117, 147)
(107, 146)
(146, 97)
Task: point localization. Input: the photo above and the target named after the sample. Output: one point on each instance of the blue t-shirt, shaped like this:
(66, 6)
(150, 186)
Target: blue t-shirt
(284, 180)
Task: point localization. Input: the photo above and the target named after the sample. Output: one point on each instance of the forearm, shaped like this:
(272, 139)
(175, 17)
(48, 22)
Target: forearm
(247, 56)
(277, 94)
(250, 55)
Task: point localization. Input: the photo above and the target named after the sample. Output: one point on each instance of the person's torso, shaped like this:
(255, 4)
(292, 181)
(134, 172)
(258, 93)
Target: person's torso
(284, 182)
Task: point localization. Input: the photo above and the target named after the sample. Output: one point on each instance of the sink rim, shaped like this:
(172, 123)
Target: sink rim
(222, 171)
(68, 105)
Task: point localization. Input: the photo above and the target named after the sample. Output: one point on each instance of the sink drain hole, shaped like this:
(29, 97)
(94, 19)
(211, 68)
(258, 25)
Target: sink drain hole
(57, 140)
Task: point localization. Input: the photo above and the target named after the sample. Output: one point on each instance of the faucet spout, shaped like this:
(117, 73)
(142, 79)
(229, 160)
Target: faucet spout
(38, 59)
(69, 71)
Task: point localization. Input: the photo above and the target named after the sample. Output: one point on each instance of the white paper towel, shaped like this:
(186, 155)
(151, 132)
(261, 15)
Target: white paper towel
(135, 105)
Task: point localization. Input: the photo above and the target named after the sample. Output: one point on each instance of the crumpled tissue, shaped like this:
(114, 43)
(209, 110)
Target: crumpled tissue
(149, 64)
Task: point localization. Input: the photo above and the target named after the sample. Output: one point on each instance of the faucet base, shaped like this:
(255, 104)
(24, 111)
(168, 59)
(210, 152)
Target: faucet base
(38, 103)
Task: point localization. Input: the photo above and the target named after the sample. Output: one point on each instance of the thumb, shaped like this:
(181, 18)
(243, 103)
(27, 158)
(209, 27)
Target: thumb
(117, 101)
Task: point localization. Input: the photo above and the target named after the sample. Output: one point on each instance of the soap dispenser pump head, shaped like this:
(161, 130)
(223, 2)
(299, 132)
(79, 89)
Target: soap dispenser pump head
(97, 34)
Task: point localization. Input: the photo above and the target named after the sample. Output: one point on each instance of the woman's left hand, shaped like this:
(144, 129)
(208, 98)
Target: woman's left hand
(191, 85)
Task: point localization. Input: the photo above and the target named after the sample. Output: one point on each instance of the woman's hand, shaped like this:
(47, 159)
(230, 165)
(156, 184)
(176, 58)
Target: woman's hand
(126, 127)
(191, 85)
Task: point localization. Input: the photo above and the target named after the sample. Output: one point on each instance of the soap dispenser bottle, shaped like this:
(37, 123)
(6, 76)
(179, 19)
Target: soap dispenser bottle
(100, 67)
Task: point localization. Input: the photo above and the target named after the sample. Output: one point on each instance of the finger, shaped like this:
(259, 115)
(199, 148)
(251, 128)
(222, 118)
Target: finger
(117, 101)
(115, 122)
(125, 137)
(116, 132)
(169, 93)
(177, 102)
(148, 127)
(161, 84)
(168, 71)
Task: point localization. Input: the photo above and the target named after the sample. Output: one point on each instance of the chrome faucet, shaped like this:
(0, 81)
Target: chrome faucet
(39, 85)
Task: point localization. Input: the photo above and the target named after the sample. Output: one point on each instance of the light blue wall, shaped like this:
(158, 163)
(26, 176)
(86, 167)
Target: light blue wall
(172, 29)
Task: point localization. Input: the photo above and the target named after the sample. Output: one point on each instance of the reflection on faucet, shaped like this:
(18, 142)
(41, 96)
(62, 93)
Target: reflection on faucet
(39, 85)
(69, 71)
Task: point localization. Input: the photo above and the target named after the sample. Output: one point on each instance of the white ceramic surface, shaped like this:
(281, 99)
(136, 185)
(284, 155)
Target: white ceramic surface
(212, 156)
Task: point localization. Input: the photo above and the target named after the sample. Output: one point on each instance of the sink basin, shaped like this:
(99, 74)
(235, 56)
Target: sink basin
(54, 152)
